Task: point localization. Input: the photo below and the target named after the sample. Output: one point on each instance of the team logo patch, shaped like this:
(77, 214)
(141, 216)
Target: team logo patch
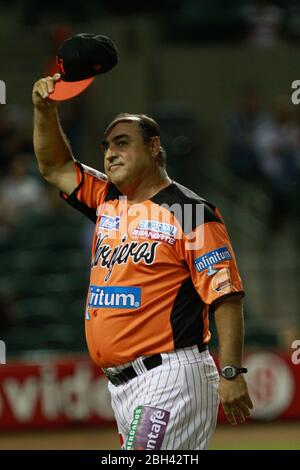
(114, 297)
(208, 260)
(221, 281)
(147, 429)
(109, 223)
(159, 227)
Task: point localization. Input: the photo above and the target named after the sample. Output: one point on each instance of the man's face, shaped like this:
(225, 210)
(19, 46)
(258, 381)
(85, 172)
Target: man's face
(127, 158)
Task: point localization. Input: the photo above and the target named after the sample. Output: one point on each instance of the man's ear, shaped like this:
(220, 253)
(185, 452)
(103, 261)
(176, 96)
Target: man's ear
(155, 146)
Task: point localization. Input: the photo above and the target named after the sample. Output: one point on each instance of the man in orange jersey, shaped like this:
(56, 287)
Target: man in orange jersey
(161, 261)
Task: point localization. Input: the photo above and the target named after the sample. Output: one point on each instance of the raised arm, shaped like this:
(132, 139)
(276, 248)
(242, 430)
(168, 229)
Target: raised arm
(52, 150)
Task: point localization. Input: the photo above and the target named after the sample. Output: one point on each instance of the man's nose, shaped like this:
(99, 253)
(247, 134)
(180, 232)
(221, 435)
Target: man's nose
(110, 155)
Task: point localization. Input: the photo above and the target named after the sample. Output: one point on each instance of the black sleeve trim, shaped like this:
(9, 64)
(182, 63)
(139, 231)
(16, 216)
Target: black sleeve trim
(213, 306)
(80, 206)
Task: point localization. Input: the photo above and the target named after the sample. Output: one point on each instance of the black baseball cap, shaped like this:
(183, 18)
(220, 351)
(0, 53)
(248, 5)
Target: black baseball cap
(80, 58)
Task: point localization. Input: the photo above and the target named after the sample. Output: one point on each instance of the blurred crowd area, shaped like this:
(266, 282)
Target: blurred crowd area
(44, 249)
(45, 245)
(261, 22)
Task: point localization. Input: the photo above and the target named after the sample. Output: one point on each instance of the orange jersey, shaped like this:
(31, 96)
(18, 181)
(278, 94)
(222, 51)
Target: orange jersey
(157, 269)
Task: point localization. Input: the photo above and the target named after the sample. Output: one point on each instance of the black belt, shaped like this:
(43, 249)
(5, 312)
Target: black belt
(123, 376)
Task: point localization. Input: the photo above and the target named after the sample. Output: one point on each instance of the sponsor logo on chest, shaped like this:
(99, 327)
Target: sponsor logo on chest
(159, 227)
(109, 223)
(114, 297)
(155, 230)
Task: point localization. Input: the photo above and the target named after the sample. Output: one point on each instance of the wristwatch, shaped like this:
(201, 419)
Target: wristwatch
(230, 372)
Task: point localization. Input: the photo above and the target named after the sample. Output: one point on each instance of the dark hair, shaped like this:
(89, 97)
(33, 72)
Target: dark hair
(148, 126)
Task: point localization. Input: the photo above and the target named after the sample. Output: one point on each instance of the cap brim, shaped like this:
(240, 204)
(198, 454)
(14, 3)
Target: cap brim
(67, 90)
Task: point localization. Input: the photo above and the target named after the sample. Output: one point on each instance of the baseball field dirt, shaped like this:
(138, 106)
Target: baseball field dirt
(251, 436)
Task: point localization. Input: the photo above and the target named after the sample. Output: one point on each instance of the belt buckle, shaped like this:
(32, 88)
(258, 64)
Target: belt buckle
(112, 375)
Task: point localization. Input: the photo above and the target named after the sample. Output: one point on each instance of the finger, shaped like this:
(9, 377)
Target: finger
(50, 85)
(230, 417)
(238, 415)
(248, 402)
(245, 408)
(41, 88)
(241, 411)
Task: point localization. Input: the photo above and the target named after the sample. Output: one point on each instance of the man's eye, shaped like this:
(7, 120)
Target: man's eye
(122, 143)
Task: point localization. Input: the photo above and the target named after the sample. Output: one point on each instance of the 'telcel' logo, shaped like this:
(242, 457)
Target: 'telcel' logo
(2, 92)
(109, 223)
(2, 352)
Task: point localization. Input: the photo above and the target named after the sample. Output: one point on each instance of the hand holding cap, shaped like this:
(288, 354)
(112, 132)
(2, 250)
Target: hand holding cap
(80, 58)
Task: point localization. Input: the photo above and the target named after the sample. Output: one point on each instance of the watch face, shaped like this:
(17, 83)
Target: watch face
(228, 372)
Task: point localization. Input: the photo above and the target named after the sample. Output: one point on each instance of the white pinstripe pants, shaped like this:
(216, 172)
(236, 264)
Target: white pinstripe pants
(178, 401)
